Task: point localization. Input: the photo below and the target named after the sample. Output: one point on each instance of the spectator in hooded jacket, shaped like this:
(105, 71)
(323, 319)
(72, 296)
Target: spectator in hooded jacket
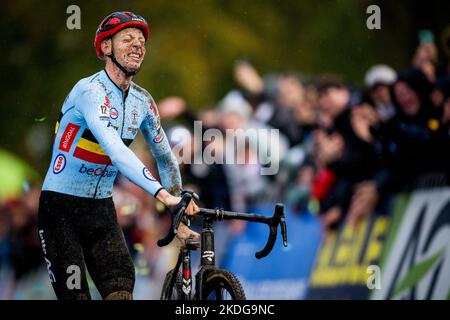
(407, 137)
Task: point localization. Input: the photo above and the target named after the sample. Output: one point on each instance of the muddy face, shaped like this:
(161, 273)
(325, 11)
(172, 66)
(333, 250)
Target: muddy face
(128, 46)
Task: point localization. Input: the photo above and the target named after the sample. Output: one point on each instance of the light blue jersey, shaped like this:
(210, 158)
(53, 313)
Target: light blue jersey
(96, 126)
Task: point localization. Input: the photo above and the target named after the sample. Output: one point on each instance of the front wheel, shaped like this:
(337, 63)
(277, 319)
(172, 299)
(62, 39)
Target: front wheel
(222, 285)
(175, 292)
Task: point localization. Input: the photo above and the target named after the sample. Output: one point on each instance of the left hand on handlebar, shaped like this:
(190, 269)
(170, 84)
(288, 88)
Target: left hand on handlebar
(191, 209)
(184, 233)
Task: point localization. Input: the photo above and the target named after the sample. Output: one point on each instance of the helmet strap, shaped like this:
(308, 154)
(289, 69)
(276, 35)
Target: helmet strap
(128, 73)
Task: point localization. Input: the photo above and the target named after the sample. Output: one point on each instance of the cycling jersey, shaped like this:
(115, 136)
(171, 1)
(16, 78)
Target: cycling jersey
(96, 125)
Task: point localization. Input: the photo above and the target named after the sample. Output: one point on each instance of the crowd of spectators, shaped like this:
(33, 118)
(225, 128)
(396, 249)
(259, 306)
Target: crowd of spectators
(342, 151)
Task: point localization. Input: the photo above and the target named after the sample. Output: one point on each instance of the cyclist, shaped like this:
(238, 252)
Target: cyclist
(99, 119)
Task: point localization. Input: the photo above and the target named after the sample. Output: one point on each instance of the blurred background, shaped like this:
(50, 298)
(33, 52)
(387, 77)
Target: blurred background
(364, 120)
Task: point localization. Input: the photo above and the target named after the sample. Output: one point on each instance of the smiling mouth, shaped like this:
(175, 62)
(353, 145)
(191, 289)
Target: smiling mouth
(135, 56)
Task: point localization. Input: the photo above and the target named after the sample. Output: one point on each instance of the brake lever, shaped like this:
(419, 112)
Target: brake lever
(278, 218)
(176, 220)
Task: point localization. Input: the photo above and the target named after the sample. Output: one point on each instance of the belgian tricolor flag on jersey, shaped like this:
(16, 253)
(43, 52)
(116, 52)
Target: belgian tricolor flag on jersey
(89, 149)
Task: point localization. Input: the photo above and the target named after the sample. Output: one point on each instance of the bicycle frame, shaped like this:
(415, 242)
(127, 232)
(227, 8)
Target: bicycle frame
(207, 261)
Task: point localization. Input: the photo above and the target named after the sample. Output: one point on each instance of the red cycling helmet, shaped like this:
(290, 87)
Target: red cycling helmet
(114, 23)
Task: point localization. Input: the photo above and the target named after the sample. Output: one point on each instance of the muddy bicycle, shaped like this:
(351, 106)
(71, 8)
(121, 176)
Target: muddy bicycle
(212, 283)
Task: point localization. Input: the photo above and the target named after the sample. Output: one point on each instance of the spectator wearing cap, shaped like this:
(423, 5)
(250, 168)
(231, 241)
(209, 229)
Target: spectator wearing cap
(379, 80)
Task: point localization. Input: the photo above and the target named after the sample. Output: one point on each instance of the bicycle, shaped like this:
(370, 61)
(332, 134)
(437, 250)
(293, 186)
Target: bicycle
(212, 283)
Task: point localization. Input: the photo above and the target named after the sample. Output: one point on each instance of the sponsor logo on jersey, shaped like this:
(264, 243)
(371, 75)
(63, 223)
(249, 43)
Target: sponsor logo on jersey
(155, 113)
(99, 171)
(159, 137)
(106, 103)
(155, 123)
(88, 149)
(104, 110)
(59, 164)
(134, 117)
(148, 175)
(111, 125)
(132, 130)
(68, 136)
(113, 113)
(154, 110)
